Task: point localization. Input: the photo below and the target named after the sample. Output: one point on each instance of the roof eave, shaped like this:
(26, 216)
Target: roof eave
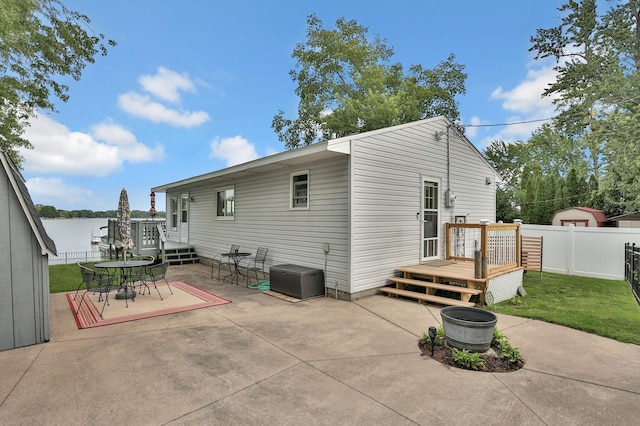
(332, 148)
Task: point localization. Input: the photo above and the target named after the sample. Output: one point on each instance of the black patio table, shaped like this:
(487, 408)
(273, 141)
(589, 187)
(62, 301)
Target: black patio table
(237, 257)
(125, 267)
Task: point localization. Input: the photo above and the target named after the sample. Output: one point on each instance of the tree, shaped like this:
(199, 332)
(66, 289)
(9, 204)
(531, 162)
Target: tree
(49, 212)
(508, 160)
(41, 43)
(597, 52)
(347, 85)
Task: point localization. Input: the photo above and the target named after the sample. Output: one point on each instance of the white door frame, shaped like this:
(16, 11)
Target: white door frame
(430, 211)
(184, 218)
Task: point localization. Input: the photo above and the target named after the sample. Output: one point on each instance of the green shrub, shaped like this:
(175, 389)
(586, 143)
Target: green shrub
(510, 353)
(468, 360)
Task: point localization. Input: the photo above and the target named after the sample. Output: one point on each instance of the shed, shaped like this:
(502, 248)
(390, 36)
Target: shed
(580, 216)
(631, 220)
(357, 207)
(25, 248)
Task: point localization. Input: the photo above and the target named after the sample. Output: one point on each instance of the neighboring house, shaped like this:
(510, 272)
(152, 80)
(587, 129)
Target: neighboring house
(580, 216)
(631, 220)
(25, 248)
(378, 199)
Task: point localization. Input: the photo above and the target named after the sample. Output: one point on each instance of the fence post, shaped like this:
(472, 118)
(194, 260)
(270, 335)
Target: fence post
(571, 247)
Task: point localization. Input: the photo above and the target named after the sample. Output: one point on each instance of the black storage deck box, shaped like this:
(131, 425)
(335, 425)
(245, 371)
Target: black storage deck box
(297, 281)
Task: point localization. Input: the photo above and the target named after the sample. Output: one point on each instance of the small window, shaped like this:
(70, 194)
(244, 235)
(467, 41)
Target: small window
(225, 203)
(299, 198)
(174, 212)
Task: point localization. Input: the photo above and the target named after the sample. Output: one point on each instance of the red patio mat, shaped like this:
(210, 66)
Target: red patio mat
(185, 297)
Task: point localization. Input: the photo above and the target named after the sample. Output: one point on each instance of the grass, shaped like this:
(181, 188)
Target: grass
(64, 278)
(603, 307)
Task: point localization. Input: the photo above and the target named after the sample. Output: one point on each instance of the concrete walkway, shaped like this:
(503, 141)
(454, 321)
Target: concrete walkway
(264, 361)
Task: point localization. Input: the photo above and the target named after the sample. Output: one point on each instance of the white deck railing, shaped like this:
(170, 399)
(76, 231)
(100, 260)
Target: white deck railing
(145, 234)
(499, 243)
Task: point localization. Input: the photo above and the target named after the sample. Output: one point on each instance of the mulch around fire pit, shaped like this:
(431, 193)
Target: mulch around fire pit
(493, 362)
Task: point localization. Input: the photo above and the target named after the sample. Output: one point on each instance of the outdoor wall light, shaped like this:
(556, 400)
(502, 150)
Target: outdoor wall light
(192, 199)
(488, 181)
(433, 332)
(439, 135)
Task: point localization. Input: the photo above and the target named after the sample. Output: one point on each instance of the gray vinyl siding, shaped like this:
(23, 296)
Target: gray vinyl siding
(262, 218)
(386, 174)
(24, 282)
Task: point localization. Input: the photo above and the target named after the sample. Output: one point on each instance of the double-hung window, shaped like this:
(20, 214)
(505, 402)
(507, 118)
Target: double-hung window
(225, 203)
(299, 190)
(174, 212)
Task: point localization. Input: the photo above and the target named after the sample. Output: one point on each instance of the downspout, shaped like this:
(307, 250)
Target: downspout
(448, 192)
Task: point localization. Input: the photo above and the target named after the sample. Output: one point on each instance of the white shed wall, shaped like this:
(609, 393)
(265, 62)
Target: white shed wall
(574, 214)
(386, 174)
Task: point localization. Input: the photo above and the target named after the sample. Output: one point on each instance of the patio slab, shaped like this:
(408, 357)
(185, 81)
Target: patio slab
(262, 360)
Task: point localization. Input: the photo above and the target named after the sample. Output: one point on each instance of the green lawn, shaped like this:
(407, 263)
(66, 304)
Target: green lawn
(64, 278)
(67, 277)
(603, 307)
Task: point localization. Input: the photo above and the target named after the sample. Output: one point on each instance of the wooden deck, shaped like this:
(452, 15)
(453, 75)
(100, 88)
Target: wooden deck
(450, 276)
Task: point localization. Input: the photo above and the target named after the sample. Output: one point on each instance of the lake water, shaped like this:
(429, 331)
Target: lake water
(74, 235)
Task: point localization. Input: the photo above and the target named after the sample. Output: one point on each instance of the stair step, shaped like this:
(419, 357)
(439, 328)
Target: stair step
(425, 297)
(438, 286)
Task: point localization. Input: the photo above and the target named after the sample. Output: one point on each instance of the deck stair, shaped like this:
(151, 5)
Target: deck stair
(181, 254)
(430, 288)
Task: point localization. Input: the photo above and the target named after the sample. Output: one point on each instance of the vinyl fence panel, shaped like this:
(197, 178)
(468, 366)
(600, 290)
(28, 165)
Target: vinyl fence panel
(585, 252)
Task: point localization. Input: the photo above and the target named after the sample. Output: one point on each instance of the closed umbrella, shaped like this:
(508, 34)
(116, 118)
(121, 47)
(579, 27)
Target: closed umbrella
(123, 216)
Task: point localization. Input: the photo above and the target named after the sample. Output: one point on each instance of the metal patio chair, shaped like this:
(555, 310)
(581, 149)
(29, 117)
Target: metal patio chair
(153, 274)
(255, 264)
(224, 259)
(94, 282)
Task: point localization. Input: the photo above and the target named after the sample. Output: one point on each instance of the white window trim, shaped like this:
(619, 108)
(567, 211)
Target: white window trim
(291, 176)
(215, 196)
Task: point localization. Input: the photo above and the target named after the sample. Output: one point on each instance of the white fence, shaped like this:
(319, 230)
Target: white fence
(585, 252)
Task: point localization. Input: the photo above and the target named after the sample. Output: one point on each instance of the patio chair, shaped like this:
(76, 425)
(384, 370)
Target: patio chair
(256, 264)
(224, 259)
(153, 274)
(95, 282)
(136, 274)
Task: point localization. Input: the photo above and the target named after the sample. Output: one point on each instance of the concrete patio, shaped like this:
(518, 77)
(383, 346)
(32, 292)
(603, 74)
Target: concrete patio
(264, 361)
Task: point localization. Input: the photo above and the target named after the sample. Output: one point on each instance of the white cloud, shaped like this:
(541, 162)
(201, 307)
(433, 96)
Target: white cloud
(472, 132)
(526, 105)
(61, 151)
(57, 150)
(526, 98)
(144, 107)
(129, 148)
(166, 84)
(53, 191)
(235, 150)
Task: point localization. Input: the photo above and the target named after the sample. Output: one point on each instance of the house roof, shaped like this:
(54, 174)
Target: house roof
(629, 216)
(20, 188)
(597, 214)
(317, 151)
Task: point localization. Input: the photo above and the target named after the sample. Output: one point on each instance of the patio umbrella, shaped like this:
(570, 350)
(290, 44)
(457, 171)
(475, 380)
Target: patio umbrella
(123, 216)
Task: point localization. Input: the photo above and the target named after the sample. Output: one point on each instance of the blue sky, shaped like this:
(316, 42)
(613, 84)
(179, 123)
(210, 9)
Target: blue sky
(192, 86)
